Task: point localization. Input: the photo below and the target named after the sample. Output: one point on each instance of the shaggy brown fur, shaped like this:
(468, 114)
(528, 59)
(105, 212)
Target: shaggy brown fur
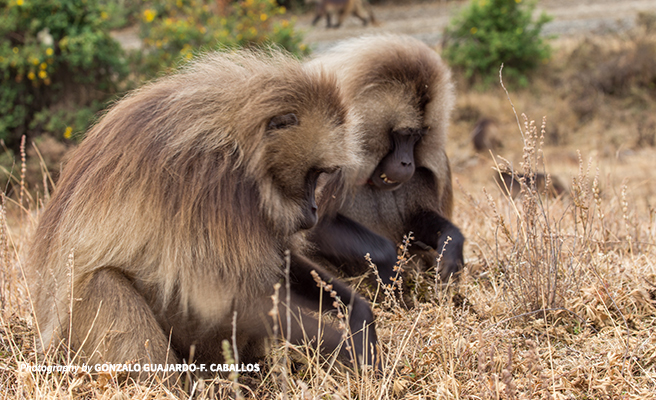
(177, 208)
(403, 92)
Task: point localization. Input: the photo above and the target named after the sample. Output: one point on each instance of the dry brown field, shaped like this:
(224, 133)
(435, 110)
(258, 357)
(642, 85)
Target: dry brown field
(558, 296)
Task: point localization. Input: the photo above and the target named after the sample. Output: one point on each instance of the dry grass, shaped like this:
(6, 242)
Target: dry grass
(558, 298)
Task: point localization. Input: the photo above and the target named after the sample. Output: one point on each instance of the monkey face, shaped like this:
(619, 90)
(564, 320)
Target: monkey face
(398, 166)
(393, 132)
(304, 148)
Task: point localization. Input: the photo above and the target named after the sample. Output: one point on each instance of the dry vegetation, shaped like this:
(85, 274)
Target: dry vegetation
(558, 298)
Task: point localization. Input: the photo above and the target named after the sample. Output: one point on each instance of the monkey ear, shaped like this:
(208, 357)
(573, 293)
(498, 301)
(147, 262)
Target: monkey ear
(282, 121)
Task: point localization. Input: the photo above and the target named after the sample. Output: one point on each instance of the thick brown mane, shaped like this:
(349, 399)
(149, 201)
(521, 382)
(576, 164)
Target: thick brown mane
(180, 202)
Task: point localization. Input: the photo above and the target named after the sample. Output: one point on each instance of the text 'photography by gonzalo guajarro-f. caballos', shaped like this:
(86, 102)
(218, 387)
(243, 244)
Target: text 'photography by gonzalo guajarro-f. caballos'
(119, 368)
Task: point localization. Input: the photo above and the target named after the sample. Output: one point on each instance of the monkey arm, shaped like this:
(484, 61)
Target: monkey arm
(344, 242)
(307, 293)
(433, 230)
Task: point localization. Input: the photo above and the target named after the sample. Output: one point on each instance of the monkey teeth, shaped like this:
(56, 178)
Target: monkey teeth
(386, 179)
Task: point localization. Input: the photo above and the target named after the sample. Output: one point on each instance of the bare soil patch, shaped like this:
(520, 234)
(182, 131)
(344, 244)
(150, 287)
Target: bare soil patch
(427, 20)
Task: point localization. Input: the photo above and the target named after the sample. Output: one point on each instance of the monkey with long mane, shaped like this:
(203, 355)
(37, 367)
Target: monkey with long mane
(403, 93)
(174, 213)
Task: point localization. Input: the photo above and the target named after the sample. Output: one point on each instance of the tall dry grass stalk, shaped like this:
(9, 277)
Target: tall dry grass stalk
(537, 262)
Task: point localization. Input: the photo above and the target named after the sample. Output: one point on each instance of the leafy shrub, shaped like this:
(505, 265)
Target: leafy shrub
(490, 32)
(56, 61)
(173, 29)
(119, 13)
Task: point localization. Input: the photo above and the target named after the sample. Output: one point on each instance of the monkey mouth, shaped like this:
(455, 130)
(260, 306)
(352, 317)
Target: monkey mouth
(387, 180)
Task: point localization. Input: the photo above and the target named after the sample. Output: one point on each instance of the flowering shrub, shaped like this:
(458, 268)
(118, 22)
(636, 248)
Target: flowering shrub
(54, 53)
(491, 32)
(173, 29)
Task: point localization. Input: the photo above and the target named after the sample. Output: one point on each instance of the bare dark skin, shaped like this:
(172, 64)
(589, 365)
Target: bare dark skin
(398, 166)
(343, 241)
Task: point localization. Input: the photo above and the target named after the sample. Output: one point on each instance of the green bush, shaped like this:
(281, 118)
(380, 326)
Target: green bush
(490, 32)
(173, 29)
(56, 60)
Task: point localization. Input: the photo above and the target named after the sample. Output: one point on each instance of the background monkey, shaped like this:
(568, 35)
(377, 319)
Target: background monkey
(403, 92)
(177, 208)
(510, 182)
(485, 136)
(343, 8)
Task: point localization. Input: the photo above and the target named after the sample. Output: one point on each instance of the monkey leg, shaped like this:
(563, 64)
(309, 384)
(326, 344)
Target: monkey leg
(432, 229)
(112, 322)
(305, 328)
(345, 242)
(328, 22)
(341, 16)
(307, 293)
(361, 13)
(317, 17)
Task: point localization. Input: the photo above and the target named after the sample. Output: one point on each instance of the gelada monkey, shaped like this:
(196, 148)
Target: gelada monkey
(404, 95)
(175, 211)
(343, 8)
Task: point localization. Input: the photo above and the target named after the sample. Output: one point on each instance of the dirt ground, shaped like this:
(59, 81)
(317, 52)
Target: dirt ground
(426, 20)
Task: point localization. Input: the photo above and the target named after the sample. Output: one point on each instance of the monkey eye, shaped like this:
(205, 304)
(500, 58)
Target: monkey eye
(283, 121)
(316, 172)
(330, 170)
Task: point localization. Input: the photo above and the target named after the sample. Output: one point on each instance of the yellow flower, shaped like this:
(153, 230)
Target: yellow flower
(19, 2)
(49, 51)
(285, 23)
(263, 17)
(43, 66)
(104, 15)
(15, 50)
(149, 15)
(253, 31)
(518, 1)
(35, 61)
(283, 10)
(68, 133)
(473, 30)
(43, 74)
(31, 76)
